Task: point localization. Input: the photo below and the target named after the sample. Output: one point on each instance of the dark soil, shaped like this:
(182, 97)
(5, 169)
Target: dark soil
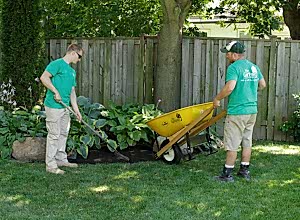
(135, 154)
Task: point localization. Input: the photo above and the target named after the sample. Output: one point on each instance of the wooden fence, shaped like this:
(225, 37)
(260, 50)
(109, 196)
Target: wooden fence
(123, 69)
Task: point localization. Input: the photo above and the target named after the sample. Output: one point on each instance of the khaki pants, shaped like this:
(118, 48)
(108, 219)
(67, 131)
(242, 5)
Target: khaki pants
(58, 126)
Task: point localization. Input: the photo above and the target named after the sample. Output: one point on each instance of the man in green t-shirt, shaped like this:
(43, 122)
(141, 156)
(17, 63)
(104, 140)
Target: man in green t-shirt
(243, 79)
(60, 79)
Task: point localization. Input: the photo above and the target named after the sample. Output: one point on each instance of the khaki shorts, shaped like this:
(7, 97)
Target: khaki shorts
(238, 131)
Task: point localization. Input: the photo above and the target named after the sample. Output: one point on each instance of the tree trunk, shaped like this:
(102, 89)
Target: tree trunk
(291, 14)
(167, 79)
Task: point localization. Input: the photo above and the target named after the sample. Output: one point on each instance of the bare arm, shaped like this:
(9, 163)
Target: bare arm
(46, 80)
(261, 84)
(226, 91)
(73, 99)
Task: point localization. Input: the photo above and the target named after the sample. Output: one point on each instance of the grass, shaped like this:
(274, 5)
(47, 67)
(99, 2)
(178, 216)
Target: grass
(154, 190)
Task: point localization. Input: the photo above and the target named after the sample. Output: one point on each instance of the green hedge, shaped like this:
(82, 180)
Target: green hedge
(21, 45)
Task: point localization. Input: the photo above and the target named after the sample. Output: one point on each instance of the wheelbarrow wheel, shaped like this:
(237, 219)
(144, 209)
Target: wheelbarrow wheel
(173, 155)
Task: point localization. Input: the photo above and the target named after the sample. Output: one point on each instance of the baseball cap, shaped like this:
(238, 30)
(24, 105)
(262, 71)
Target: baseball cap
(234, 47)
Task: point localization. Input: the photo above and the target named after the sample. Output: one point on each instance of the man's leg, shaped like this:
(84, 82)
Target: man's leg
(52, 124)
(232, 140)
(61, 155)
(247, 147)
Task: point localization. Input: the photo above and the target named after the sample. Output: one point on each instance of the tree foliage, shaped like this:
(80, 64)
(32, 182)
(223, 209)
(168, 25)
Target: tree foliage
(105, 18)
(263, 15)
(21, 42)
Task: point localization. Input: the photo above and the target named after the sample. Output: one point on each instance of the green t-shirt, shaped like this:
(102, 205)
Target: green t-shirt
(243, 99)
(63, 79)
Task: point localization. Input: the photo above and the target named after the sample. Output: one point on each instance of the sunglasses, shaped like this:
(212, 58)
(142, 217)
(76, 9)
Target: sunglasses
(79, 56)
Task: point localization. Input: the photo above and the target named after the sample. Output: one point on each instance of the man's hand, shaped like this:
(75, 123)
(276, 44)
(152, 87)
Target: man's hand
(216, 103)
(78, 115)
(57, 97)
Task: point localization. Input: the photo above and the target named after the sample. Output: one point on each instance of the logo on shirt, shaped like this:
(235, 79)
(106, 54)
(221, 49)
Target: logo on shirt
(250, 75)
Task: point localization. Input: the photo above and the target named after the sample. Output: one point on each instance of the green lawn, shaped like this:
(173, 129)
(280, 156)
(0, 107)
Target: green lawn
(154, 190)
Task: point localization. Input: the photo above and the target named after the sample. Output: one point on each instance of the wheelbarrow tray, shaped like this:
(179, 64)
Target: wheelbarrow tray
(168, 124)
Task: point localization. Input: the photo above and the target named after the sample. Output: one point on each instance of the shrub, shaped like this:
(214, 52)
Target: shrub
(17, 125)
(293, 125)
(21, 46)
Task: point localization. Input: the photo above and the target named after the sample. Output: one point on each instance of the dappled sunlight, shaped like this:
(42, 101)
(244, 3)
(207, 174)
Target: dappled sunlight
(72, 193)
(199, 206)
(17, 200)
(137, 199)
(288, 150)
(126, 175)
(100, 189)
(276, 183)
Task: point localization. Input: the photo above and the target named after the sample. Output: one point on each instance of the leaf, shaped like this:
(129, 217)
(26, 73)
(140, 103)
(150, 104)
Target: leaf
(97, 142)
(100, 123)
(85, 139)
(130, 142)
(135, 135)
(121, 138)
(5, 152)
(123, 145)
(112, 145)
(112, 123)
(83, 151)
(4, 130)
(122, 120)
(94, 114)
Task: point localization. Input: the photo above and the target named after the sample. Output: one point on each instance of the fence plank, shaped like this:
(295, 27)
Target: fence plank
(185, 73)
(259, 131)
(221, 82)
(107, 73)
(96, 72)
(124, 71)
(271, 86)
(91, 72)
(149, 71)
(197, 72)
(207, 87)
(85, 69)
(280, 101)
(130, 73)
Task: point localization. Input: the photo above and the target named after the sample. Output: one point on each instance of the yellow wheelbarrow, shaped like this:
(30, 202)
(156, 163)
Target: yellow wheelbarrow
(179, 126)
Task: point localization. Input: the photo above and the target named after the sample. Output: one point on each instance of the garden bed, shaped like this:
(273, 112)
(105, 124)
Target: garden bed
(135, 154)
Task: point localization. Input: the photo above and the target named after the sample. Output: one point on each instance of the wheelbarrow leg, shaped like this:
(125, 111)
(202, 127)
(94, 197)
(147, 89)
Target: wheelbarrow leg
(189, 150)
(209, 141)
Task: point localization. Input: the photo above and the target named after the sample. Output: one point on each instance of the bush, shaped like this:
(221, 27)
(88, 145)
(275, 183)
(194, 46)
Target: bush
(21, 46)
(118, 126)
(17, 125)
(293, 126)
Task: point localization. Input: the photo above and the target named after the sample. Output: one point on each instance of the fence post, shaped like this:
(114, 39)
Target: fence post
(271, 89)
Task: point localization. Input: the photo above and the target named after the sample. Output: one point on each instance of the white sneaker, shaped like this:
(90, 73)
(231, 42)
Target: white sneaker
(67, 164)
(55, 171)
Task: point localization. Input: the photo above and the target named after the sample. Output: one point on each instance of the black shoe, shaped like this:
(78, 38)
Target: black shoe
(244, 173)
(224, 178)
(225, 175)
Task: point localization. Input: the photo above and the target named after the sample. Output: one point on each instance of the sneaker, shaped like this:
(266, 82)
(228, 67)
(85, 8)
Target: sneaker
(244, 173)
(225, 175)
(224, 178)
(55, 171)
(67, 164)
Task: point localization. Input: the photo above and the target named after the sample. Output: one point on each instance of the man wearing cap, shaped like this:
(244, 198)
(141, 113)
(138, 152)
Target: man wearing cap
(243, 79)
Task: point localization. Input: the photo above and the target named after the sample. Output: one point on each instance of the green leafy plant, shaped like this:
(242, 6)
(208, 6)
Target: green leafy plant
(119, 126)
(293, 125)
(19, 124)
